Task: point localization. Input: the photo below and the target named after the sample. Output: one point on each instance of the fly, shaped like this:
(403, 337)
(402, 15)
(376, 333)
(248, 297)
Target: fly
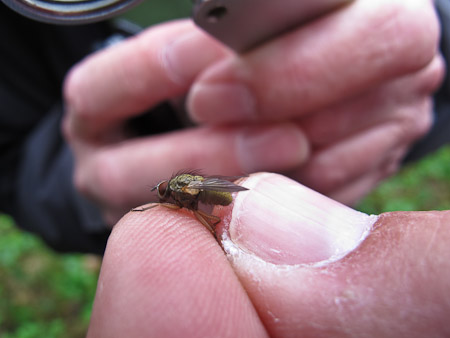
(186, 190)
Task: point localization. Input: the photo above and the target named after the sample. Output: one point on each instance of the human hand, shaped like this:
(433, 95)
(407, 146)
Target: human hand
(297, 264)
(108, 88)
(358, 82)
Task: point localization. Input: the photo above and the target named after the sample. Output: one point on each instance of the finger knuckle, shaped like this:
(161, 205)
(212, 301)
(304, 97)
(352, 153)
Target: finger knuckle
(415, 121)
(412, 41)
(77, 90)
(100, 179)
(67, 130)
(110, 180)
(322, 175)
(81, 182)
(72, 89)
(432, 75)
(422, 124)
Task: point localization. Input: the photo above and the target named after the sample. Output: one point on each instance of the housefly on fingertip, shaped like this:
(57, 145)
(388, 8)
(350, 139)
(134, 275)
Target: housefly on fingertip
(187, 190)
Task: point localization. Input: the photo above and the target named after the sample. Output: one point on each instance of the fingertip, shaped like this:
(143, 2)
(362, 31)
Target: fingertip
(164, 275)
(179, 224)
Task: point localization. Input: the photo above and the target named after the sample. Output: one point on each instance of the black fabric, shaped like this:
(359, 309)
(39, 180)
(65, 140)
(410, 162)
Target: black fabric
(35, 163)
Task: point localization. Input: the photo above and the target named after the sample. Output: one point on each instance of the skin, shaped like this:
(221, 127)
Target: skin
(164, 275)
(354, 84)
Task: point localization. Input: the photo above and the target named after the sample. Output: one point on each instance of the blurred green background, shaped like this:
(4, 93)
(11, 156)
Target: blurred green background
(44, 294)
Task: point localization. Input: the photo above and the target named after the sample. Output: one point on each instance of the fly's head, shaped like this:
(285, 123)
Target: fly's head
(163, 190)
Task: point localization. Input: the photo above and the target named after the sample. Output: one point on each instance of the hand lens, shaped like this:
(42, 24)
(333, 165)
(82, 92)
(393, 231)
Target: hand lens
(70, 12)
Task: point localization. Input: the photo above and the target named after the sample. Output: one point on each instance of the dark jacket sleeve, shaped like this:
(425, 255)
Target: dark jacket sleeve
(36, 164)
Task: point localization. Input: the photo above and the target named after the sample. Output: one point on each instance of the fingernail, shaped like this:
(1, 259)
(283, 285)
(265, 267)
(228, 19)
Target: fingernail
(271, 148)
(221, 102)
(283, 222)
(188, 55)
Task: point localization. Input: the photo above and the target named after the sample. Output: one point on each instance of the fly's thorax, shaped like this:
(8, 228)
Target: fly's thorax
(215, 197)
(181, 183)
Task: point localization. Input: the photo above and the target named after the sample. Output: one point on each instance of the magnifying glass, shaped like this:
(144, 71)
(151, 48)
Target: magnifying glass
(70, 12)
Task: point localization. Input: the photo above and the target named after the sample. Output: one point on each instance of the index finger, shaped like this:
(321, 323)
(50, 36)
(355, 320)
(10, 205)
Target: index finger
(163, 275)
(134, 75)
(343, 54)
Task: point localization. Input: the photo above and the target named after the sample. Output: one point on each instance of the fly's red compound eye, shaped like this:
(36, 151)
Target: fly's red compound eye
(161, 189)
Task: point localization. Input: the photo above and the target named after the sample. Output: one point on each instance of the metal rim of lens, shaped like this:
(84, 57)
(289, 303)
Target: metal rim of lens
(70, 11)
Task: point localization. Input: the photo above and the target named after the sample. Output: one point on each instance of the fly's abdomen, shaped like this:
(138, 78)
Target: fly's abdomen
(215, 197)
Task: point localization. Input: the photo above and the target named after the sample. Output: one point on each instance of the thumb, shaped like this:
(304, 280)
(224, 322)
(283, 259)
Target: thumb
(313, 267)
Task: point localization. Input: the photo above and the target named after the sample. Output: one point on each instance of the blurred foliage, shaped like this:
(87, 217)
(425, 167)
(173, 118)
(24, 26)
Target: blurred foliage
(150, 12)
(424, 185)
(43, 294)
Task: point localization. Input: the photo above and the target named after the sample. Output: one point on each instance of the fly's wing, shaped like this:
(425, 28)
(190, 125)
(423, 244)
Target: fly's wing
(217, 184)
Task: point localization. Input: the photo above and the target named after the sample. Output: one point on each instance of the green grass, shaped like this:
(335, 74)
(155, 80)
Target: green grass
(42, 294)
(424, 185)
(150, 12)
(45, 294)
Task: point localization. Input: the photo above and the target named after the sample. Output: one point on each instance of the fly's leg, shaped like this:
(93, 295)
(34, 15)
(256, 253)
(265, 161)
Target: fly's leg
(204, 221)
(145, 207)
(155, 204)
(214, 219)
(170, 205)
(209, 221)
